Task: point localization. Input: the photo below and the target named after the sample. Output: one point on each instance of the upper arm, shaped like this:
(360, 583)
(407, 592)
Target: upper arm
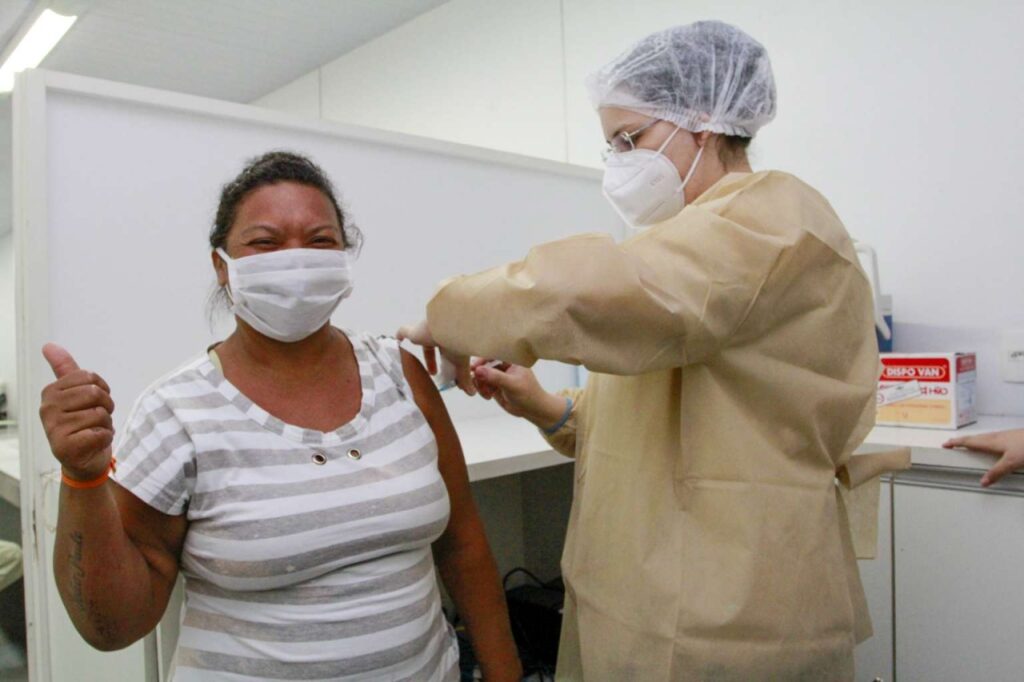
(451, 462)
(464, 524)
(159, 538)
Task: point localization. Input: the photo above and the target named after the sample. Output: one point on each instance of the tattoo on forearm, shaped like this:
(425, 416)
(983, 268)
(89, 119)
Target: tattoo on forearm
(77, 573)
(103, 625)
(89, 608)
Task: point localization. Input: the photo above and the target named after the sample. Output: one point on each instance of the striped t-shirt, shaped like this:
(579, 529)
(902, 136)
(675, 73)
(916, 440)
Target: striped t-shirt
(308, 554)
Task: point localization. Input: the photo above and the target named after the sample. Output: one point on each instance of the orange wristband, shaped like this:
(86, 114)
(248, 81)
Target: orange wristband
(92, 483)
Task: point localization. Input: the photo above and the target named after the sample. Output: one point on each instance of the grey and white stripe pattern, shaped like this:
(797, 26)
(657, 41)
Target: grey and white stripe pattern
(296, 570)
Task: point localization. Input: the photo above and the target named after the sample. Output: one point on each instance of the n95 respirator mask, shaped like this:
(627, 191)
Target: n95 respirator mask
(643, 185)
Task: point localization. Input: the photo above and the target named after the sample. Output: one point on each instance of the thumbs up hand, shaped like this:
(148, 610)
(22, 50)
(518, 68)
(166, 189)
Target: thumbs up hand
(76, 413)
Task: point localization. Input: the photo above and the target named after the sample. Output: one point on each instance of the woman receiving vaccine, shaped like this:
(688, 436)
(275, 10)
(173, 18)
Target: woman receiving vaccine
(304, 480)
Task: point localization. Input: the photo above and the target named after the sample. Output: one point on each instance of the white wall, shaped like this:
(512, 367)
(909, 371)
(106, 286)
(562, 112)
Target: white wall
(480, 72)
(906, 117)
(902, 114)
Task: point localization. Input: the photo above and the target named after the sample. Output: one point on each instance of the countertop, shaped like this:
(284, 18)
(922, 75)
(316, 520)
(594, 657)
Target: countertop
(499, 446)
(926, 444)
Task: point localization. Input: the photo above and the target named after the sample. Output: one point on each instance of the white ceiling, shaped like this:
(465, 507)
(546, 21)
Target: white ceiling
(235, 50)
(12, 14)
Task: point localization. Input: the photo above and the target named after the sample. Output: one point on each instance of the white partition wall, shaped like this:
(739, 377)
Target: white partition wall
(115, 191)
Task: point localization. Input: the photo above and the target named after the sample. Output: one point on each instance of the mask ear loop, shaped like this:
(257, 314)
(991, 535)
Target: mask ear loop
(669, 139)
(227, 265)
(693, 166)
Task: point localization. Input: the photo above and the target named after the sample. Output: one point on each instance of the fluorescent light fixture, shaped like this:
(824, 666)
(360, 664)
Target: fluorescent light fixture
(37, 42)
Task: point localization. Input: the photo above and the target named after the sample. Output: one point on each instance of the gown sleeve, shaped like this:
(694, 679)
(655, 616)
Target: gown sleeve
(669, 297)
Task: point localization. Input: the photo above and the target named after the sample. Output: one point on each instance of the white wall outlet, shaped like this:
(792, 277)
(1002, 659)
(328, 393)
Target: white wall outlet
(1012, 356)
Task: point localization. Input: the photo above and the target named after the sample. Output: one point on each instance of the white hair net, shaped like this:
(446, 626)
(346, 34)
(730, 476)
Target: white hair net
(703, 76)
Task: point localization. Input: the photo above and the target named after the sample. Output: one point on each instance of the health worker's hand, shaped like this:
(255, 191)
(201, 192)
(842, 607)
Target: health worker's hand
(518, 392)
(420, 335)
(1008, 446)
(76, 413)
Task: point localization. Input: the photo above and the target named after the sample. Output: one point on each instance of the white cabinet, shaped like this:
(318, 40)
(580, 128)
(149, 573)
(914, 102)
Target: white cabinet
(873, 657)
(959, 553)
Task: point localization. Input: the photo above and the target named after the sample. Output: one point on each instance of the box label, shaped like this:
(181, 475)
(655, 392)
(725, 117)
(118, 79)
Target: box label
(915, 369)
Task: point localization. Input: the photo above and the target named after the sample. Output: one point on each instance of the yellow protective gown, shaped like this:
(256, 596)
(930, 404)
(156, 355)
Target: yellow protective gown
(736, 369)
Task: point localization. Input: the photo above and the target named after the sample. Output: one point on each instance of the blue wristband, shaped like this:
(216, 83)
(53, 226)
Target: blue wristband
(561, 422)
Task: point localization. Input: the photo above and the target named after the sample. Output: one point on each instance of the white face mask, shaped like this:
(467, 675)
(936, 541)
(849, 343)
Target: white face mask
(288, 294)
(643, 185)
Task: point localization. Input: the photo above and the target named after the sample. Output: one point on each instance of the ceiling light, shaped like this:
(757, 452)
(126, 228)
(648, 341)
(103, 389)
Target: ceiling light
(37, 42)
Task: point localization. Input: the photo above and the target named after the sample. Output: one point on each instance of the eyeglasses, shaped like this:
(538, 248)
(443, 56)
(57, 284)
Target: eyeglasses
(625, 142)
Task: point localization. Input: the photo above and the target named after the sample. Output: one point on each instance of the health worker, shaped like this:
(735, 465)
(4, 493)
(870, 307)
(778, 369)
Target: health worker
(733, 366)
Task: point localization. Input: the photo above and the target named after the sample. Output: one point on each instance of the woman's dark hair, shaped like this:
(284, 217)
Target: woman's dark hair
(270, 169)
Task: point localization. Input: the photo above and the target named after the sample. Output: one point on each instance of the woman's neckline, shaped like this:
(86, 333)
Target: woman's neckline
(294, 432)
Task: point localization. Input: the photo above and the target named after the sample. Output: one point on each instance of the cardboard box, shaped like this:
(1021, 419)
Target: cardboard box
(927, 390)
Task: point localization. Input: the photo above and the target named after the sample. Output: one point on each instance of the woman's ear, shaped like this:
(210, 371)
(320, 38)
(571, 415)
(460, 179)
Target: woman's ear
(702, 138)
(220, 268)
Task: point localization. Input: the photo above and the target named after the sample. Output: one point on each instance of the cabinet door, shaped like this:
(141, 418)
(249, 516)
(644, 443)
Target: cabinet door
(873, 657)
(959, 601)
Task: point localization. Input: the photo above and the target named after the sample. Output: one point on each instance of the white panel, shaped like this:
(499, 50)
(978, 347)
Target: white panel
(169, 629)
(874, 102)
(8, 358)
(959, 611)
(873, 658)
(121, 267)
(6, 165)
(481, 72)
(300, 97)
(425, 217)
